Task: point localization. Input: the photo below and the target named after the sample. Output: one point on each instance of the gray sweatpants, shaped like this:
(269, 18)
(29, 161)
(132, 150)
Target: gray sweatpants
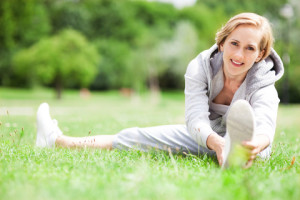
(173, 137)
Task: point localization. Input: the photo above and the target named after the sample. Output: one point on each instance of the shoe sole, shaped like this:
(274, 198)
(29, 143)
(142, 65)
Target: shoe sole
(240, 127)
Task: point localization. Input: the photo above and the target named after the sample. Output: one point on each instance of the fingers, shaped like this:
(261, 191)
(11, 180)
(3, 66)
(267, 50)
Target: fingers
(252, 154)
(220, 160)
(248, 164)
(249, 145)
(253, 150)
(252, 157)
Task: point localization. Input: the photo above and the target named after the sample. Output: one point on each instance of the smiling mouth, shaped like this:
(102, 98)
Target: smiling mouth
(235, 63)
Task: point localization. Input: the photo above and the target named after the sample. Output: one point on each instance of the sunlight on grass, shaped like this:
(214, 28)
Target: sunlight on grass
(27, 172)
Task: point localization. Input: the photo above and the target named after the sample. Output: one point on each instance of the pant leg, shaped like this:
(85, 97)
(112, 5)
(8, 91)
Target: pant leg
(175, 137)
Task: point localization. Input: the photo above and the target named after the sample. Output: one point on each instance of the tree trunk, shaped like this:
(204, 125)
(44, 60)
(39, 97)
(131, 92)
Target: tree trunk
(58, 87)
(154, 87)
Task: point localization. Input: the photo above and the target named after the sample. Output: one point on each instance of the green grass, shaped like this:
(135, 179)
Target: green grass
(27, 172)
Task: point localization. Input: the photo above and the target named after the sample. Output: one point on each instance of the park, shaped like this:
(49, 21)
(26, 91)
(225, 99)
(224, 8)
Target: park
(106, 65)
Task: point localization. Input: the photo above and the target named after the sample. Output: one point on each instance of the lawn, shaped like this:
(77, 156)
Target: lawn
(27, 172)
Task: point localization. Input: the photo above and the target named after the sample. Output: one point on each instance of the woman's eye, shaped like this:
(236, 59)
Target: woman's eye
(250, 48)
(234, 43)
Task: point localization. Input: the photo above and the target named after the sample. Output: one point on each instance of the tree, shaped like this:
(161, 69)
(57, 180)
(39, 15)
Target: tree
(206, 21)
(231, 7)
(114, 70)
(22, 23)
(176, 54)
(64, 59)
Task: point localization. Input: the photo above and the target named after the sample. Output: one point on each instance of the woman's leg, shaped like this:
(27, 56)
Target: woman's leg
(174, 138)
(49, 134)
(99, 141)
(167, 138)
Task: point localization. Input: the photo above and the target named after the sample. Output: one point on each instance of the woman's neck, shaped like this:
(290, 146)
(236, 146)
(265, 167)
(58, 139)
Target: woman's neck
(232, 83)
(233, 80)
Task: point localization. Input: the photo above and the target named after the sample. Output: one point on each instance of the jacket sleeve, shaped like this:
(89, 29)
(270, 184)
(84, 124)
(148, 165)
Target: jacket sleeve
(196, 103)
(265, 103)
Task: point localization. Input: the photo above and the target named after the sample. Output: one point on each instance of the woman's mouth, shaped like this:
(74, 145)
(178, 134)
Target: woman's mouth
(236, 63)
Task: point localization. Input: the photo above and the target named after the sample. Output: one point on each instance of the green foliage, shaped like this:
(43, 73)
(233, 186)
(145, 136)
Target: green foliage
(22, 23)
(114, 67)
(287, 45)
(69, 14)
(148, 61)
(64, 59)
(132, 34)
(232, 7)
(114, 19)
(176, 53)
(207, 22)
(159, 17)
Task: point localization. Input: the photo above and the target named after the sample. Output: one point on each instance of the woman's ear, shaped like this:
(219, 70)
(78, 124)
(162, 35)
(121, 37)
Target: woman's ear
(221, 46)
(261, 54)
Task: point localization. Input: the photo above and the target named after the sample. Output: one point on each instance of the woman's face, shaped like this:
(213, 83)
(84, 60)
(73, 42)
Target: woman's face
(241, 50)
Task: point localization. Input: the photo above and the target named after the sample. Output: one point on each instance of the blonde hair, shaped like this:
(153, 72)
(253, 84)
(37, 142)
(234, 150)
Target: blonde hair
(258, 21)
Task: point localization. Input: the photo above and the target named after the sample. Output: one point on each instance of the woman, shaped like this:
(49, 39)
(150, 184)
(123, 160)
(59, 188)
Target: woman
(229, 88)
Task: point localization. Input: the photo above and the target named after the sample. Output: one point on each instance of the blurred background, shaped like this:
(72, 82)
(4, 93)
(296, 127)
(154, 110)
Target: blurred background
(132, 46)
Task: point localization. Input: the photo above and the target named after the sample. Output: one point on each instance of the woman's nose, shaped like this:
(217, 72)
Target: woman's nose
(239, 55)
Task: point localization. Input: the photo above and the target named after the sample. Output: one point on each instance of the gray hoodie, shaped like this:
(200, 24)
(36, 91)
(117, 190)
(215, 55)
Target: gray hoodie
(203, 83)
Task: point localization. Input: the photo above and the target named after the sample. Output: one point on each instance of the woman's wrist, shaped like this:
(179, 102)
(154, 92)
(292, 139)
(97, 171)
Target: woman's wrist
(262, 141)
(215, 142)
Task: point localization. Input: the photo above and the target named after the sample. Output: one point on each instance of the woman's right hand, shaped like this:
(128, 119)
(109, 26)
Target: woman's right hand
(216, 143)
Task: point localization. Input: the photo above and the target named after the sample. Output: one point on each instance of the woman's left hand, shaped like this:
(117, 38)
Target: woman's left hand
(259, 143)
(253, 150)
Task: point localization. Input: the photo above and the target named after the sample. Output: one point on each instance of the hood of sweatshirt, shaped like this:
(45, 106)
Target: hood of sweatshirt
(261, 74)
(265, 72)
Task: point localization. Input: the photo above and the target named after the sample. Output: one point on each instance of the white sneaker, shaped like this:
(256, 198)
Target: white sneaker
(47, 129)
(240, 127)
